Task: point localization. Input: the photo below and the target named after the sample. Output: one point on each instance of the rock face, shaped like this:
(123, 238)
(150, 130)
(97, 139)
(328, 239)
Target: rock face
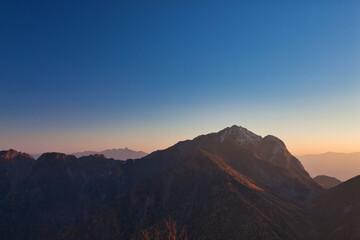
(326, 181)
(232, 184)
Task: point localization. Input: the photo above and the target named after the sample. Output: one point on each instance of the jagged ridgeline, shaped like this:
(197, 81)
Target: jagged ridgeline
(232, 184)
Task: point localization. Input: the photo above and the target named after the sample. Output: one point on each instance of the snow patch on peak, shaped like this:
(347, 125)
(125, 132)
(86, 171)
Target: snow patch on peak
(240, 134)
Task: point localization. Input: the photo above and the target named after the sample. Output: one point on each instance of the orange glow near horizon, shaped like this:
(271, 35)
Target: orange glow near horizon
(305, 128)
(149, 141)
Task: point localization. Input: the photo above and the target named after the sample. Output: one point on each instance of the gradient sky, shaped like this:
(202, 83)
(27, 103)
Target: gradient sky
(93, 75)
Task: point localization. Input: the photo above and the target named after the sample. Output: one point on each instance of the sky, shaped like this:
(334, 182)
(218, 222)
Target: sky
(93, 75)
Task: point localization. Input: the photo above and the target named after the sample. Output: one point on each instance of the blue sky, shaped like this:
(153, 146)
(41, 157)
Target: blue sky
(145, 74)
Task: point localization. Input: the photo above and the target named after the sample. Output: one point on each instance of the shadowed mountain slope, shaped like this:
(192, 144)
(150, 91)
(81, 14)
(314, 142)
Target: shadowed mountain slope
(60, 191)
(14, 168)
(232, 184)
(205, 194)
(337, 211)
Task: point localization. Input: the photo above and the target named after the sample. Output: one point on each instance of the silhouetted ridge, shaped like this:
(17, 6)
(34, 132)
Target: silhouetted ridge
(115, 153)
(54, 156)
(98, 156)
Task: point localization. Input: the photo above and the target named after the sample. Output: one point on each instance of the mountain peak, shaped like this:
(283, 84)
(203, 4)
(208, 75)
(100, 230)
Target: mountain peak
(240, 134)
(11, 153)
(244, 147)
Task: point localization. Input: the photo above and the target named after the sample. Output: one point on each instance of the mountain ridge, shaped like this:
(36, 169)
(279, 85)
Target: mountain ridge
(231, 184)
(115, 153)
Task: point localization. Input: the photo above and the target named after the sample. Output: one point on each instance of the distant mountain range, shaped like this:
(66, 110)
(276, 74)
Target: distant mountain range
(343, 166)
(232, 184)
(116, 153)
